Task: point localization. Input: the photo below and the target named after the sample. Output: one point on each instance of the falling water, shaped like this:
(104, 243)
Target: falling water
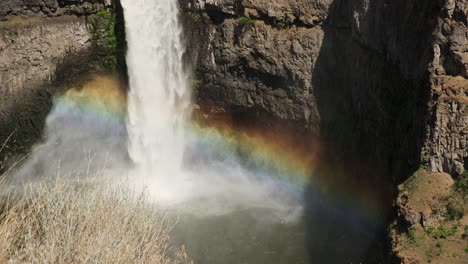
(159, 97)
(160, 139)
(231, 207)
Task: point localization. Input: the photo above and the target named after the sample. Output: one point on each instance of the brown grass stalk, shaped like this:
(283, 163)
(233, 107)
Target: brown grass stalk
(83, 221)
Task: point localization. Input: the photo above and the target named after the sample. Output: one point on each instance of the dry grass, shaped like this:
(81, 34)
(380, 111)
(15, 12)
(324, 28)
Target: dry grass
(85, 222)
(442, 239)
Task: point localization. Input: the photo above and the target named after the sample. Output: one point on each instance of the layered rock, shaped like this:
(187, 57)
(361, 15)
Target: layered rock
(265, 63)
(51, 8)
(383, 83)
(446, 148)
(45, 46)
(372, 72)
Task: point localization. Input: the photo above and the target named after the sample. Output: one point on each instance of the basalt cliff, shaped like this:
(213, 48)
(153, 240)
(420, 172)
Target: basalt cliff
(380, 83)
(391, 74)
(48, 46)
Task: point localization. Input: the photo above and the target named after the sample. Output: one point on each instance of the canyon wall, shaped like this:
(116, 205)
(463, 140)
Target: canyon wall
(386, 80)
(383, 84)
(47, 47)
(256, 63)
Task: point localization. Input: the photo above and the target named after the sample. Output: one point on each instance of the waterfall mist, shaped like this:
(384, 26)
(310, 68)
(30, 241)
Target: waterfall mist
(237, 196)
(146, 138)
(222, 194)
(174, 163)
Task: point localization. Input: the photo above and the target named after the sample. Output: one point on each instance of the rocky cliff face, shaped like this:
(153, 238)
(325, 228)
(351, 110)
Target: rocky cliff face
(393, 74)
(257, 54)
(46, 46)
(51, 8)
(382, 83)
(446, 147)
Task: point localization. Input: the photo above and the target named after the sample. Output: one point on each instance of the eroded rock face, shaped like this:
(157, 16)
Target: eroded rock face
(446, 147)
(44, 47)
(383, 83)
(263, 64)
(264, 68)
(51, 8)
(368, 75)
(30, 56)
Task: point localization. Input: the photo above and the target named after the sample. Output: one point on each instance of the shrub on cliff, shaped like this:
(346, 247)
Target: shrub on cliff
(455, 209)
(102, 26)
(456, 203)
(83, 222)
(246, 21)
(461, 183)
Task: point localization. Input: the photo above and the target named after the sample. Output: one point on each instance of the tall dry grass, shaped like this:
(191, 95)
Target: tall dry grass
(84, 221)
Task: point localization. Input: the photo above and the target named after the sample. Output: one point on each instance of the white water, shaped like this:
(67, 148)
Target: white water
(160, 143)
(159, 97)
(176, 165)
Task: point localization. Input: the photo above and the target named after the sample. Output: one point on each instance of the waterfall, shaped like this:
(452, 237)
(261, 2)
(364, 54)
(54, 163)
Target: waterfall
(159, 96)
(177, 163)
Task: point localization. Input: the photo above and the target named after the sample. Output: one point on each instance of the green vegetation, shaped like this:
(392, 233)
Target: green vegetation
(246, 21)
(457, 203)
(429, 254)
(412, 235)
(282, 23)
(410, 184)
(104, 35)
(423, 166)
(196, 83)
(455, 209)
(461, 183)
(425, 161)
(465, 232)
(441, 231)
(434, 251)
(196, 18)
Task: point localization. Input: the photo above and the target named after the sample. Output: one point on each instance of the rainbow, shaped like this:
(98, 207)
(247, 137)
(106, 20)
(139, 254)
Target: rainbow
(282, 157)
(103, 100)
(100, 104)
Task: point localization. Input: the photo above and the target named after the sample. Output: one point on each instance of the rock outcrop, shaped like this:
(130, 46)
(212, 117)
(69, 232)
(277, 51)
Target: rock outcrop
(258, 55)
(50, 8)
(420, 199)
(44, 47)
(446, 148)
(392, 74)
(383, 83)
